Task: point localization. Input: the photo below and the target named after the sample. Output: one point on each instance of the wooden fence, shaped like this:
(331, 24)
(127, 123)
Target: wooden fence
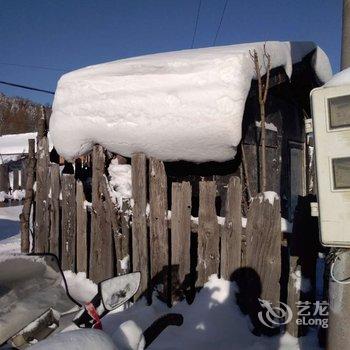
(154, 231)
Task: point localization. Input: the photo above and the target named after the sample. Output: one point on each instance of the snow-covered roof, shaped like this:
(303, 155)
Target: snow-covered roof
(184, 105)
(339, 79)
(15, 144)
(12, 146)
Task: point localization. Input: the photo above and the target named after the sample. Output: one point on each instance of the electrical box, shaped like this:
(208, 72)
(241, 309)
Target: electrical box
(331, 123)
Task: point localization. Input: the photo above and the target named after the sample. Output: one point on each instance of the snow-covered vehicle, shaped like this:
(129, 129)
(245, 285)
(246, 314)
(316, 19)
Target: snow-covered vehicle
(35, 303)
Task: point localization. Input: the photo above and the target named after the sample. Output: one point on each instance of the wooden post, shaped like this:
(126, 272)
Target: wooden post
(232, 233)
(114, 222)
(25, 215)
(122, 240)
(82, 247)
(158, 223)
(108, 261)
(139, 223)
(42, 223)
(101, 264)
(208, 233)
(15, 185)
(181, 230)
(68, 222)
(4, 178)
(263, 236)
(55, 209)
(95, 269)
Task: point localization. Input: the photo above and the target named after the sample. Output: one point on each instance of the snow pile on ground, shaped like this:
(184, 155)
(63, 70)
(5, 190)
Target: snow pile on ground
(87, 339)
(120, 181)
(341, 78)
(178, 105)
(213, 320)
(9, 229)
(15, 195)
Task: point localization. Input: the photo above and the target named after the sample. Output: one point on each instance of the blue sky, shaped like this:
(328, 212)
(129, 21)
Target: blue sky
(69, 34)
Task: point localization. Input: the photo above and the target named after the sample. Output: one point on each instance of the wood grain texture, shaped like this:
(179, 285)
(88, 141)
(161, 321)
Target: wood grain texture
(55, 183)
(68, 246)
(232, 233)
(139, 222)
(123, 241)
(208, 233)
(42, 219)
(29, 197)
(98, 216)
(82, 243)
(158, 221)
(181, 230)
(263, 254)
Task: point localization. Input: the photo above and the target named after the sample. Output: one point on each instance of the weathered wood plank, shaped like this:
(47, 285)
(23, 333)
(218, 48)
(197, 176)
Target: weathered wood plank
(122, 241)
(55, 209)
(181, 231)
(208, 233)
(15, 185)
(114, 218)
(68, 260)
(98, 216)
(232, 234)
(82, 245)
(158, 222)
(42, 220)
(107, 247)
(25, 215)
(139, 223)
(263, 254)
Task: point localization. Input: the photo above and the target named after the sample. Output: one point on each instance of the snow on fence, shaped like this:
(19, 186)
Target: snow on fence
(175, 252)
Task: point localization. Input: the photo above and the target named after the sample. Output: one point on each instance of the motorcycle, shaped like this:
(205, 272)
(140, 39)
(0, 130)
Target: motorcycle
(35, 302)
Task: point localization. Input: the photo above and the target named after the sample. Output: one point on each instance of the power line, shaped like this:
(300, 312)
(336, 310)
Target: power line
(34, 67)
(27, 87)
(219, 27)
(196, 25)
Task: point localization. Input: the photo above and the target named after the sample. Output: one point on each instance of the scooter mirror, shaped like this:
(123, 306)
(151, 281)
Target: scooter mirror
(118, 290)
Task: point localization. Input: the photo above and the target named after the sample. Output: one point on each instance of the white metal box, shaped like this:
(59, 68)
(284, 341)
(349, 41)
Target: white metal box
(331, 121)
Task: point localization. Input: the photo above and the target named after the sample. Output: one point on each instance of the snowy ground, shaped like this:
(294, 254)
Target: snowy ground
(9, 229)
(212, 321)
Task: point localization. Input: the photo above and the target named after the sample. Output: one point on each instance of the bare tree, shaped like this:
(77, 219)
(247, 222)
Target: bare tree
(263, 86)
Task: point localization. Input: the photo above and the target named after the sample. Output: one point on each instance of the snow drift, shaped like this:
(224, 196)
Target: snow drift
(184, 105)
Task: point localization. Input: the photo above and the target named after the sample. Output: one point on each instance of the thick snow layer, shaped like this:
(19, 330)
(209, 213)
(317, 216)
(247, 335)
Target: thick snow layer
(178, 105)
(341, 78)
(87, 339)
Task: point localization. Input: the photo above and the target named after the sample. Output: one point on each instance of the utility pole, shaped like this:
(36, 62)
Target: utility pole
(345, 46)
(339, 294)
